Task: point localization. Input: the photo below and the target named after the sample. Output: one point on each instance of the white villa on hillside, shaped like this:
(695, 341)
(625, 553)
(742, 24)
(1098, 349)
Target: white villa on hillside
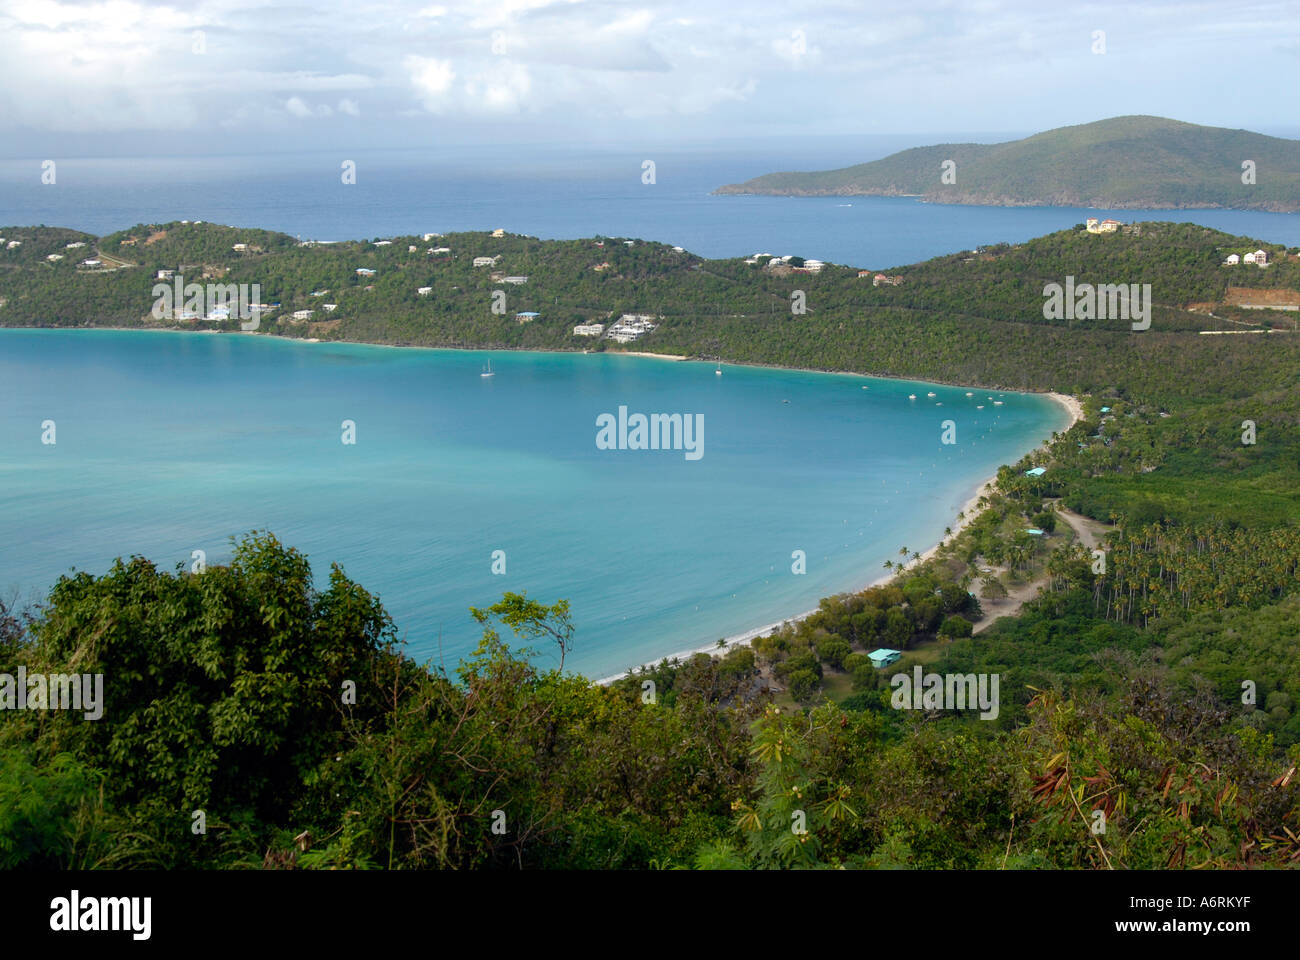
(589, 330)
(1105, 226)
(486, 261)
(303, 314)
(424, 291)
(1232, 260)
(515, 280)
(631, 326)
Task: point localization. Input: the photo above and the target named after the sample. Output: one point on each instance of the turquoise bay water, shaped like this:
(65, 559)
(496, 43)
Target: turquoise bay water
(168, 443)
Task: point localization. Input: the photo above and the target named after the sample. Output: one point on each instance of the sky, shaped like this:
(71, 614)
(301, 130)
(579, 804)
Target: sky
(126, 78)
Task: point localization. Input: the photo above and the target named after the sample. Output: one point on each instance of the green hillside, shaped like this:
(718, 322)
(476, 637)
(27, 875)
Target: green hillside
(1123, 162)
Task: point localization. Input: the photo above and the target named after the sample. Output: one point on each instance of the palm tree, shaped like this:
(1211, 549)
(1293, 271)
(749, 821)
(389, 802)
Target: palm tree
(889, 564)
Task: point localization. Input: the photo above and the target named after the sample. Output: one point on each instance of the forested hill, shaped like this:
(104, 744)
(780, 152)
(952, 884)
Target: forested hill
(1120, 163)
(973, 317)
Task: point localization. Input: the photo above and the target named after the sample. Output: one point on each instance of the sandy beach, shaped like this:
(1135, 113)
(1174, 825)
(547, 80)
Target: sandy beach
(967, 514)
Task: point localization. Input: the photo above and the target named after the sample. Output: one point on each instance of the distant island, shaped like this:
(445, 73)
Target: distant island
(1135, 162)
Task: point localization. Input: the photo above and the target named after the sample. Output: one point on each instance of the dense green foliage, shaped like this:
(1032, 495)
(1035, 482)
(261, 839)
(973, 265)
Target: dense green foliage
(229, 689)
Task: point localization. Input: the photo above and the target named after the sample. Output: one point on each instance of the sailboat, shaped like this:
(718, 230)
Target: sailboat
(487, 371)
(718, 372)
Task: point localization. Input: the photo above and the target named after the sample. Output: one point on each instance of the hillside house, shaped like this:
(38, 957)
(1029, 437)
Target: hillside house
(1232, 260)
(486, 261)
(303, 314)
(883, 657)
(239, 247)
(54, 256)
(527, 316)
(424, 291)
(498, 233)
(588, 330)
(1105, 226)
(515, 280)
(365, 272)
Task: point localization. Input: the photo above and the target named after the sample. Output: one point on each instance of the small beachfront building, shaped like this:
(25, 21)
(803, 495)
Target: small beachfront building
(883, 657)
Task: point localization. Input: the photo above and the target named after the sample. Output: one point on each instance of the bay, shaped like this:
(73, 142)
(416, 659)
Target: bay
(173, 442)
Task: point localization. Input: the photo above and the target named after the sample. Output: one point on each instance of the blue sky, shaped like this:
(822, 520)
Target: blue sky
(120, 77)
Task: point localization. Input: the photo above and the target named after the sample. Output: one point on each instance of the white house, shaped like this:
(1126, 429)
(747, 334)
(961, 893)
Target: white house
(1261, 258)
(589, 330)
(383, 243)
(365, 272)
(91, 263)
(410, 248)
(165, 274)
(515, 280)
(329, 307)
(1248, 258)
(1232, 260)
(424, 291)
(14, 244)
(1105, 226)
(485, 261)
(240, 247)
(54, 256)
(74, 246)
(303, 314)
(437, 250)
(498, 233)
(430, 236)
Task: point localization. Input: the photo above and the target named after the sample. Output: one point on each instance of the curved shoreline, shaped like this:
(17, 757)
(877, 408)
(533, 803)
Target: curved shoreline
(965, 516)
(1072, 406)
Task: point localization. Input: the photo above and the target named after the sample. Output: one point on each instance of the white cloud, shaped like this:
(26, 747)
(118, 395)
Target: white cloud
(349, 107)
(299, 108)
(431, 78)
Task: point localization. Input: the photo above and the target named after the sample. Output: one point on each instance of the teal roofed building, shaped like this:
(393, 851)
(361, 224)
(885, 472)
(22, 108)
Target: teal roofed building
(1036, 472)
(883, 657)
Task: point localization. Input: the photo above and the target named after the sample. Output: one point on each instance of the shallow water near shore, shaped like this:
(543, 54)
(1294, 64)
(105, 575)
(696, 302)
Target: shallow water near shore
(170, 443)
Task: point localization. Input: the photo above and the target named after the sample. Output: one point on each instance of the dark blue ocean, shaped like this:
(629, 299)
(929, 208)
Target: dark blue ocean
(557, 192)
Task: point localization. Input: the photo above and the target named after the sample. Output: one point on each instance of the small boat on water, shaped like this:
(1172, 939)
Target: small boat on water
(997, 403)
(718, 372)
(911, 396)
(487, 371)
(969, 394)
(930, 394)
